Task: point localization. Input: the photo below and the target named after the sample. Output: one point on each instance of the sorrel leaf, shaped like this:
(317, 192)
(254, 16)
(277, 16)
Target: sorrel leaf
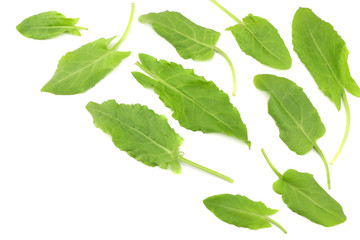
(189, 39)
(198, 104)
(143, 134)
(298, 121)
(240, 211)
(83, 68)
(325, 55)
(304, 196)
(48, 25)
(258, 38)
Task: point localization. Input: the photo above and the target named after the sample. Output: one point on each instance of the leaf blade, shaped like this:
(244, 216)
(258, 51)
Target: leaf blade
(83, 68)
(189, 39)
(260, 39)
(240, 211)
(48, 25)
(304, 196)
(197, 104)
(297, 119)
(140, 132)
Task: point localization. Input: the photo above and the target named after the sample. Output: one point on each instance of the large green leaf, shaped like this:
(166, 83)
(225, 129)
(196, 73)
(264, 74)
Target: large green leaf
(241, 211)
(48, 25)
(303, 195)
(324, 54)
(189, 39)
(259, 38)
(81, 69)
(198, 104)
(299, 122)
(140, 132)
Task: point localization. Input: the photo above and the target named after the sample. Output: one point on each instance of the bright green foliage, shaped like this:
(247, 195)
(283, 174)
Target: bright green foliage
(143, 134)
(260, 39)
(81, 69)
(298, 121)
(303, 195)
(241, 211)
(48, 25)
(189, 39)
(198, 104)
(324, 54)
(140, 132)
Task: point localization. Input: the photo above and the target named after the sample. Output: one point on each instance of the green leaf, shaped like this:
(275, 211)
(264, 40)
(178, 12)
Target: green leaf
(48, 25)
(83, 68)
(303, 195)
(260, 39)
(189, 39)
(324, 54)
(140, 132)
(240, 211)
(298, 121)
(143, 134)
(198, 104)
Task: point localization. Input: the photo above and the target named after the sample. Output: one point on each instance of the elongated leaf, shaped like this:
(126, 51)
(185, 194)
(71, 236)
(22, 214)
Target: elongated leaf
(297, 119)
(48, 25)
(259, 38)
(241, 211)
(303, 195)
(140, 132)
(324, 54)
(81, 69)
(189, 39)
(198, 104)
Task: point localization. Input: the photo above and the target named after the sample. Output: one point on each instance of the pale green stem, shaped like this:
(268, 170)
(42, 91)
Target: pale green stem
(347, 128)
(226, 11)
(276, 224)
(318, 150)
(81, 28)
(127, 30)
(270, 164)
(218, 50)
(205, 169)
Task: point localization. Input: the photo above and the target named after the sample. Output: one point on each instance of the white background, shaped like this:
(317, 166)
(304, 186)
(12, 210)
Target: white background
(62, 178)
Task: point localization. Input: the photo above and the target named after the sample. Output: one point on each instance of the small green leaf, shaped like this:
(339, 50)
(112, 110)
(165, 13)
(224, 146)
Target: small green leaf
(260, 39)
(240, 211)
(140, 132)
(303, 195)
(324, 54)
(83, 68)
(198, 104)
(143, 134)
(48, 25)
(189, 39)
(298, 121)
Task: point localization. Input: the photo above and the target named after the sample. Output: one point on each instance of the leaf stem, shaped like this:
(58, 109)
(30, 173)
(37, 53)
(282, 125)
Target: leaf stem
(226, 11)
(81, 28)
(318, 150)
(347, 128)
(184, 160)
(218, 50)
(276, 224)
(127, 30)
(270, 164)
